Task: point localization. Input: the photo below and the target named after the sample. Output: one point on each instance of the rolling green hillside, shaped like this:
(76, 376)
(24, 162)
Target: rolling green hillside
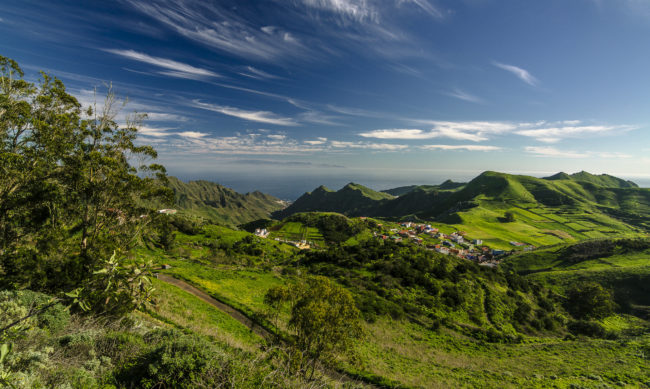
(622, 265)
(220, 204)
(546, 211)
(603, 180)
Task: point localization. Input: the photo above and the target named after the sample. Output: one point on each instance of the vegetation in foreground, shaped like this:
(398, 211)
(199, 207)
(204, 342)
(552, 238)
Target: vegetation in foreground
(80, 237)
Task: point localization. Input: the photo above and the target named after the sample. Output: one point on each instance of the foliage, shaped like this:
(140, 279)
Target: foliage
(335, 228)
(69, 195)
(324, 318)
(115, 288)
(589, 300)
(68, 192)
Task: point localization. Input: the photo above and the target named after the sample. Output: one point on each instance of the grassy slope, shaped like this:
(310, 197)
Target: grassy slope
(219, 204)
(626, 272)
(418, 356)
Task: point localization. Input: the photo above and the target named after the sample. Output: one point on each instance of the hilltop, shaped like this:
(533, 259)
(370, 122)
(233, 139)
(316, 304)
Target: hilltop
(352, 198)
(219, 204)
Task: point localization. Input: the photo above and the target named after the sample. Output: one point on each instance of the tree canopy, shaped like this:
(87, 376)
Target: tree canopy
(71, 193)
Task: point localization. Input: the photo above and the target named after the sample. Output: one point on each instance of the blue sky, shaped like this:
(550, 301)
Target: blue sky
(397, 89)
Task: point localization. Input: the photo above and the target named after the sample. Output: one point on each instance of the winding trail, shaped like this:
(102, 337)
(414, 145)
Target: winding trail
(234, 313)
(245, 320)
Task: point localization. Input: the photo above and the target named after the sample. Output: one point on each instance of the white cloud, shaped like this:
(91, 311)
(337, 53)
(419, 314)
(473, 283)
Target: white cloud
(359, 10)
(523, 74)
(478, 131)
(554, 132)
(165, 117)
(462, 95)
(192, 134)
(154, 132)
(370, 146)
(425, 6)
(461, 147)
(553, 152)
(469, 131)
(318, 141)
(256, 116)
(257, 74)
(222, 28)
(557, 153)
(397, 133)
(174, 68)
(276, 136)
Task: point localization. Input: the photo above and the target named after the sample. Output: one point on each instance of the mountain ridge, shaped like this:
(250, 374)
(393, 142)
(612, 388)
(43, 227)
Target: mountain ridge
(220, 204)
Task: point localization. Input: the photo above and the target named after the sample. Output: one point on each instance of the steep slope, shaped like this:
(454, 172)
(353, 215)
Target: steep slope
(353, 199)
(220, 204)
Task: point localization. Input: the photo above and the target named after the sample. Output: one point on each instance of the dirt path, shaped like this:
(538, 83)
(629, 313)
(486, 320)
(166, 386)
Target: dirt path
(234, 313)
(245, 320)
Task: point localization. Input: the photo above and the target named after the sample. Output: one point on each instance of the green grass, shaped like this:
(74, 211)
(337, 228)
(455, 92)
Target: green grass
(187, 311)
(241, 287)
(419, 357)
(296, 231)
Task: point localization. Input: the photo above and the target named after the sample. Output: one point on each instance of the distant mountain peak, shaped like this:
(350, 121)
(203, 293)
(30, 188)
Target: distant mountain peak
(558, 176)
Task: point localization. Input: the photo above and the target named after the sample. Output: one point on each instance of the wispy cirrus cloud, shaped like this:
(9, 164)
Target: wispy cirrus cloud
(468, 131)
(358, 10)
(557, 131)
(172, 68)
(257, 74)
(367, 145)
(461, 147)
(479, 131)
(222, 28)
(426, 6)
(462, 95)
(521, 73)
(547, 151)
(255, 116)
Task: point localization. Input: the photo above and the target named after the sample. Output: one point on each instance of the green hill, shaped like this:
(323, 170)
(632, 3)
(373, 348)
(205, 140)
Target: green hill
(220, 204)
(623, 265)
(556, 209)
(351, 199)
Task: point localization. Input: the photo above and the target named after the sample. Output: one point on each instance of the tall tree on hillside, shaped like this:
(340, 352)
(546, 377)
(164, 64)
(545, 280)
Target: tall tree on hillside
(69, 194)
(324, 319)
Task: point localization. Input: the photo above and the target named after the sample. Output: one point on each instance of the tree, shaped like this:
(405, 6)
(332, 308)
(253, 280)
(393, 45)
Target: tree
(69, 194)
(589, 300)
(509, 217)
(324, 319)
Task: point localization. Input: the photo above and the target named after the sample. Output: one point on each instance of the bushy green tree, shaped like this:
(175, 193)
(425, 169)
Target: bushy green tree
(70, 194)
(324, 319)
(589, 300)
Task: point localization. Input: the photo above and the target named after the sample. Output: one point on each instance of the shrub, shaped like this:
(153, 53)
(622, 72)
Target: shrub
(587, 328)
(177, 361)
(589, 300)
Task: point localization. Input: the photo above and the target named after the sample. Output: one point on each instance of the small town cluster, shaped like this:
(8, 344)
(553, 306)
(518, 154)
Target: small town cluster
(457, 243)
(264, 233)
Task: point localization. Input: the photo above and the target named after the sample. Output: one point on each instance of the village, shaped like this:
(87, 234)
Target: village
(456, 243)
